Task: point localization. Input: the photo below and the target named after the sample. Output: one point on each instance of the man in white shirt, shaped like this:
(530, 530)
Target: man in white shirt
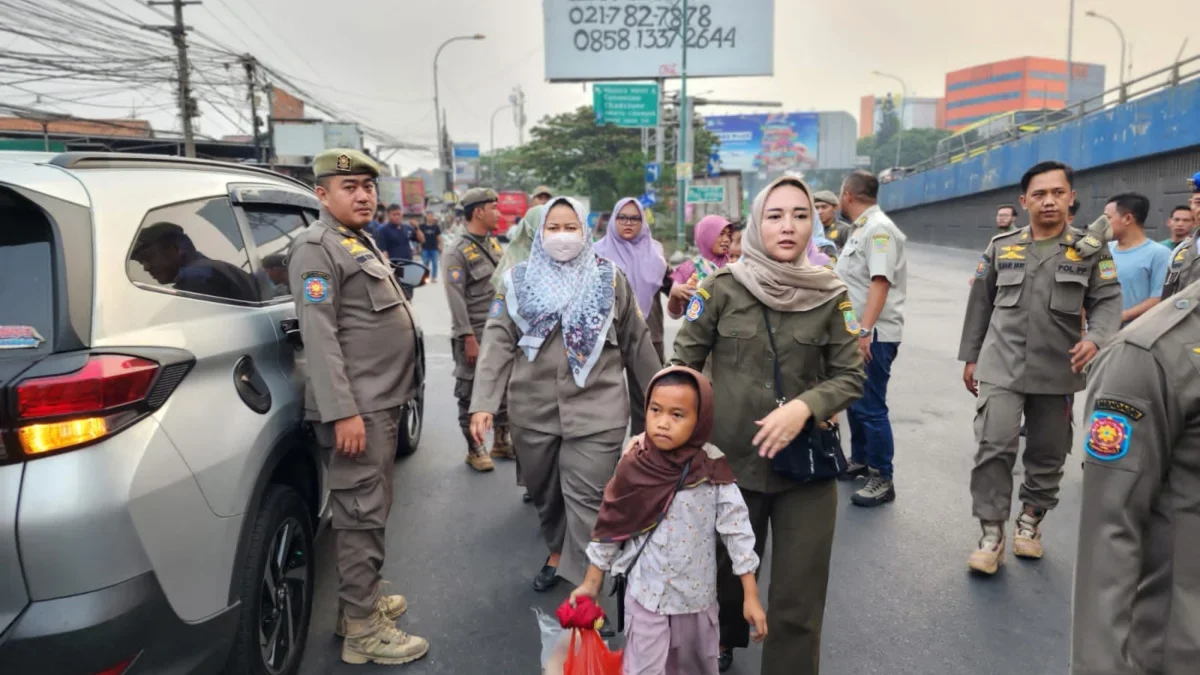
(875, 270)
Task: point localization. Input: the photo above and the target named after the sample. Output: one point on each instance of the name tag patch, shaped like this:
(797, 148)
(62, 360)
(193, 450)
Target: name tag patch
(1113, 405)
(1108, 436)
(1078, 270)
(695, 308)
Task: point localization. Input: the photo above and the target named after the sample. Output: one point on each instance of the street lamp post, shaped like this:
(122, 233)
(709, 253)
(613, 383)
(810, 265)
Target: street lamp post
(492, 129)
(1121, 34)
(437, 105)
(903, 105)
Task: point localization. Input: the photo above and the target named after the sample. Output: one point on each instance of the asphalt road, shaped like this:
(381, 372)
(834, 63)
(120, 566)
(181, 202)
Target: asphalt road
(463, 547)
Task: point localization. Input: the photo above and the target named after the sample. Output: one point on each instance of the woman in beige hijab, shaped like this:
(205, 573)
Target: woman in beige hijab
(815, 334)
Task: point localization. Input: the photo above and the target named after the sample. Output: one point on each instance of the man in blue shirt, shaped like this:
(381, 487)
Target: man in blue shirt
(1141, 262)
(395, 238)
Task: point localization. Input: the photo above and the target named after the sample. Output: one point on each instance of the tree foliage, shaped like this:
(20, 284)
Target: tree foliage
(574, 155)
(916, 146)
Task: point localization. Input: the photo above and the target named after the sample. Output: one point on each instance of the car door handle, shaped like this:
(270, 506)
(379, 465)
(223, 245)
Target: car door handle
(291, 332)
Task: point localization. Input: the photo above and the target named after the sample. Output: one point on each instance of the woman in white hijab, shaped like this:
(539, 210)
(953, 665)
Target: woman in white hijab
(561, 338)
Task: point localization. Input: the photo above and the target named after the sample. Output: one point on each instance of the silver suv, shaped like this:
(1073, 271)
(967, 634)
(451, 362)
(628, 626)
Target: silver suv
(158, 492)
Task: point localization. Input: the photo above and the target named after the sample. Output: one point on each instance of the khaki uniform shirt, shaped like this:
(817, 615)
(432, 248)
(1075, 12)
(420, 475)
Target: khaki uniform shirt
(818, 357)
(1185, 266)
(1137, 575)
(876, 249)
(1024, 313)
(358, 330)
(469, 265)
(542, 394)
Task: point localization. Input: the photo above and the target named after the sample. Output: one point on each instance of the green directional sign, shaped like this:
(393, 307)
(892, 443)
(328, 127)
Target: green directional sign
(626, 105)
(705, 194)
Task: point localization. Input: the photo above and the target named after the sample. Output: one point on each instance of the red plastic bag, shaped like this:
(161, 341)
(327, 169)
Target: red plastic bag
(592, 656)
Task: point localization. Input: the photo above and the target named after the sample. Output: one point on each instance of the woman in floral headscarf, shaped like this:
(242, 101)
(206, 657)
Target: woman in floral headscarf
(713, 236)
(560, 338)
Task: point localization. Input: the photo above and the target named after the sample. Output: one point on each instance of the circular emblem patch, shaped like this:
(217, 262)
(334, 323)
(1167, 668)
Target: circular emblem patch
(1108, 437)
(315, 289)
(695, 308)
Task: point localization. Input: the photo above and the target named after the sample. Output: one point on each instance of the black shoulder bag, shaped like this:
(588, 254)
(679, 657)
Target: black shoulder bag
(621, 581)
(815, 454)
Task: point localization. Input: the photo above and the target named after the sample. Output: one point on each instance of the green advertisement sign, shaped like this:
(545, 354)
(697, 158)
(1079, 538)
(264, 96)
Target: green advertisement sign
(626, 105)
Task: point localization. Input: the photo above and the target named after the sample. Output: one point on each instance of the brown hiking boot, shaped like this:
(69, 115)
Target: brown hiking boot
(479, 461)
(502, 447)
(392, 606)
(987, 558)
(1027, 535)
(377, 640)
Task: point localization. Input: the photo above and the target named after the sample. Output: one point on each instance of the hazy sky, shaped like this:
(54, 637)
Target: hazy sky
(824, 53)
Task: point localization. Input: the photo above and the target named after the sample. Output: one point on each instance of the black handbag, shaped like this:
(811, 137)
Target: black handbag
(815, 454)
(621, 581)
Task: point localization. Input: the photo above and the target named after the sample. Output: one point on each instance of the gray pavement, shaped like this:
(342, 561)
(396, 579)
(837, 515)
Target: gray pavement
(463, 547)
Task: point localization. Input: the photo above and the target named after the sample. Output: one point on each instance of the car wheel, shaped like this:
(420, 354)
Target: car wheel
(412, 419)
(277, 588)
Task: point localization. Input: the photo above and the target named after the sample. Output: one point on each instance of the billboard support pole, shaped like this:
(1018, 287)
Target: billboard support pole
(684, 121)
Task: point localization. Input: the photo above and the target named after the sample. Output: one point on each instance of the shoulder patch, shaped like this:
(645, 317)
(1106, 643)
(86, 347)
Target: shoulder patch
(497, 307)
(850, 319)
(316, 287)
(982, 268)
(879, 243)
(455, 274)
(1108, 436)
(695, 308)
(1108, 269)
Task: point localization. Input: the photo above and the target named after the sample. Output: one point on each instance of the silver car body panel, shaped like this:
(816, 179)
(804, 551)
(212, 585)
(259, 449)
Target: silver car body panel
(13, 596)
(48, 180)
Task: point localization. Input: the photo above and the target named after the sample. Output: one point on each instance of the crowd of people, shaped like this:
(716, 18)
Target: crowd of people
(559, 352)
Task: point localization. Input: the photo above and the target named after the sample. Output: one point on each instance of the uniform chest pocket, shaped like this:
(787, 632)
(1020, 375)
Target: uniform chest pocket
(480, 272)
(380, 286)
(1009, 284)
(1069, 290)
(736, 339)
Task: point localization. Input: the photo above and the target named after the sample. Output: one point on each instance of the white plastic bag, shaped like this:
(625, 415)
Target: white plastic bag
(556, 641)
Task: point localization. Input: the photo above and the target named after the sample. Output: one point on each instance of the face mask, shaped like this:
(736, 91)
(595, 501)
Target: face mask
(563, 246)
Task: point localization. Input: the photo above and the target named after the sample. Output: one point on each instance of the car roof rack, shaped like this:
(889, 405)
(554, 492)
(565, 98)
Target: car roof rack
(121, 160)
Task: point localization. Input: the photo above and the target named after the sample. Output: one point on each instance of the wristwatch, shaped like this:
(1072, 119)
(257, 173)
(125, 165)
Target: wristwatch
(865, 332)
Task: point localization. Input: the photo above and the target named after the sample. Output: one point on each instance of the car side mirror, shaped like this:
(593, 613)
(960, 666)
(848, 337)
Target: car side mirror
(410, 273)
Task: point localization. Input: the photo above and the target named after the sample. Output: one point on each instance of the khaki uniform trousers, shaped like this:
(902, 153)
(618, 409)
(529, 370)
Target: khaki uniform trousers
(802, 521)
(566, 478)
(464, 387)
(360, 493)
(997, 431)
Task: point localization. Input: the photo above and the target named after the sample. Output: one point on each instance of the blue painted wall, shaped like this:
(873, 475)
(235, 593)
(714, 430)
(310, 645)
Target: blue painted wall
(1163, 122)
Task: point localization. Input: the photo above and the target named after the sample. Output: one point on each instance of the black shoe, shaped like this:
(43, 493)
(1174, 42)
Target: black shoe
(854, 471)
(546, 579)
(725, 660)
(527, 498)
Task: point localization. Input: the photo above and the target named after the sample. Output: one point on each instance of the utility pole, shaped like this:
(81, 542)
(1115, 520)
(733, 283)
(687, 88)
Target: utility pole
(249, 63)
(187, 105)
(517, 99)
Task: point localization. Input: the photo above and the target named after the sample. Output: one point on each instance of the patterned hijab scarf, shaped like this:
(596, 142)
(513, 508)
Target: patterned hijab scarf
(578, 294)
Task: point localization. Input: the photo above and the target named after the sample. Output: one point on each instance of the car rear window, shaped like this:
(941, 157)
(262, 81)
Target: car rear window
(26, 277)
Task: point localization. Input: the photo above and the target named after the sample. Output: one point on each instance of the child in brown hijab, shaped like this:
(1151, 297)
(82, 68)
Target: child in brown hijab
(671, 600)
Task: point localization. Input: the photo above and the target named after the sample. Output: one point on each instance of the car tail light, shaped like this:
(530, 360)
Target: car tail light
(117, 669)
(108, 394)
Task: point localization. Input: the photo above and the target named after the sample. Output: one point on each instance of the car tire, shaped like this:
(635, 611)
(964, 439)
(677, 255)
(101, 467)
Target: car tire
(412, 422)
(282, 530)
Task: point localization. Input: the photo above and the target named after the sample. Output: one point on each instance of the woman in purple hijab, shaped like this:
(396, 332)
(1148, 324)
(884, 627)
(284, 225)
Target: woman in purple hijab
(627, 244)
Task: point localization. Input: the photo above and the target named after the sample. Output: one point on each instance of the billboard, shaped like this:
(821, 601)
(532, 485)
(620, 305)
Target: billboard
(342, 135)
(641, 39)
(466, 163)
(298, 139)
(769, 143)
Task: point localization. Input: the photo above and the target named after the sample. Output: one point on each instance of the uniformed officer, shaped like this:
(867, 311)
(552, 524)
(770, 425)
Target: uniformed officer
(469, 265)
(837, 230)
(360, 349)
(1139, 533)
(1023, 353)
(1185, 260)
